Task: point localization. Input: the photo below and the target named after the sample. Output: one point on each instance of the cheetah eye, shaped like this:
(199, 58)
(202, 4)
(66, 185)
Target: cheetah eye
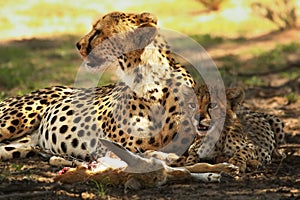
(192, 105)
(212, 105)
(97, 32)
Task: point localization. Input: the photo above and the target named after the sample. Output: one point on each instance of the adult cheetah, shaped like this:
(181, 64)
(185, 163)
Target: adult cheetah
(146, 110)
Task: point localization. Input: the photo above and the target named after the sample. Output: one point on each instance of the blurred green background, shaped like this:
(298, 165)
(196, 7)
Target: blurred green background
(48, 17)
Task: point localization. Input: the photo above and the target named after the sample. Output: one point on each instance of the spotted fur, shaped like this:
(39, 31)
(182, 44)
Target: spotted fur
(247, 136)
(145, 111)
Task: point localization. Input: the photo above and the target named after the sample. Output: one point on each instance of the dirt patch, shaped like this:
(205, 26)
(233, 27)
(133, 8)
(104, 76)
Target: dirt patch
(281, 180)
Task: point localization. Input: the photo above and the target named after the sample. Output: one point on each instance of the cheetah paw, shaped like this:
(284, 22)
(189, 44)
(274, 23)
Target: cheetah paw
(229, 168)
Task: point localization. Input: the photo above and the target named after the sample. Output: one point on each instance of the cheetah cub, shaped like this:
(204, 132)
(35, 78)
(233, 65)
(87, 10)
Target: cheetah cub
(247, 138)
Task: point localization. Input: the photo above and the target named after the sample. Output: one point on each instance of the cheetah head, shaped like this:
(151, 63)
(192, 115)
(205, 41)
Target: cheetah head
(212, 108)
(118, 36)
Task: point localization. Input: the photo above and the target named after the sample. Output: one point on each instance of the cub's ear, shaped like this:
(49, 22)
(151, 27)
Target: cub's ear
(235, 96)
(146, 31)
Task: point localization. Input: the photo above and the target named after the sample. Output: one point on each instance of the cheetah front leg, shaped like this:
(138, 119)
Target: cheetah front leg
(248, 157)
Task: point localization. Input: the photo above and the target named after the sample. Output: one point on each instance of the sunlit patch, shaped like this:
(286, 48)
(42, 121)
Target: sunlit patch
(237, 14)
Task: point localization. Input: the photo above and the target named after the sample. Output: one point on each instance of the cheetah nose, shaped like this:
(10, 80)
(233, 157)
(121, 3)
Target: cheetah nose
(78, 45)
(201, 118)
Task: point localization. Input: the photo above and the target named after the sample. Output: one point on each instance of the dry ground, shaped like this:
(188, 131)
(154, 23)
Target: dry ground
(32, 179)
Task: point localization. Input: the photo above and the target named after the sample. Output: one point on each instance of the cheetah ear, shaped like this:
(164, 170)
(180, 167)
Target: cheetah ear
(114, 15)
(235, 96)
(146, 31)
(148, 18)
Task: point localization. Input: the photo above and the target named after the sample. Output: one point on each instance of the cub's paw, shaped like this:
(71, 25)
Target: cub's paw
(242, 165)
(253, 165)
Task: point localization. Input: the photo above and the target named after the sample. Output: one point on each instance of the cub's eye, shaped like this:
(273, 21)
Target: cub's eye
(212, 105)
(192, 105)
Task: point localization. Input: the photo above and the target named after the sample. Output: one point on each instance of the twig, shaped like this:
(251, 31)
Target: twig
(280, 164)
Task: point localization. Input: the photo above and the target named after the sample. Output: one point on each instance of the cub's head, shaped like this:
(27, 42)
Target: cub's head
(118, 36)
(213, 108)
